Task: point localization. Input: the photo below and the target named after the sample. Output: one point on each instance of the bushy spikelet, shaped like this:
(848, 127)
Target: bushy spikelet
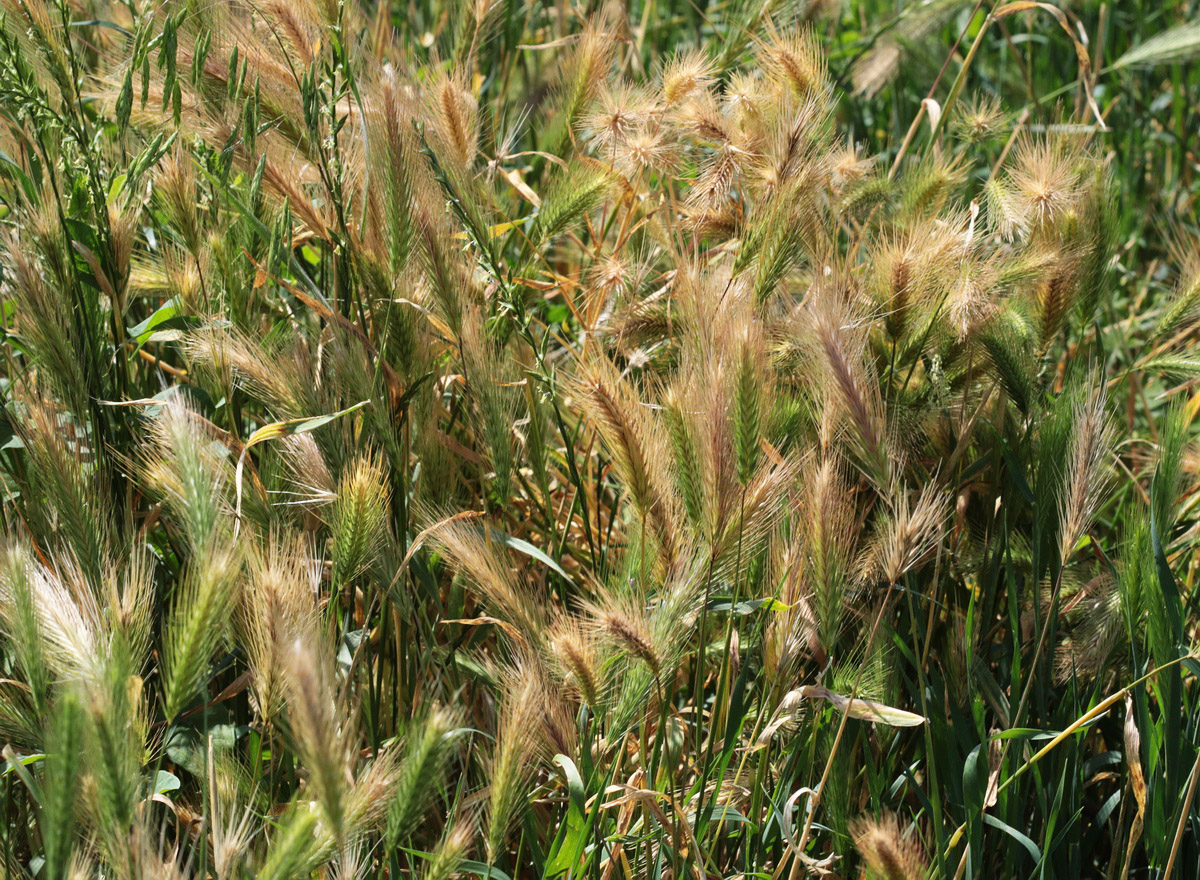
(370, 797)
(476, 553)
(890, 854)
(685, 76)
(394, 159)
(573, 646)
(19, 612)
(198, 624)
(128, 606)
(450, 852)
(60, 784)
(321, 732)
(1087, 473)
(511, 764)
(640, 452)
(427, 749)
(979, 120)
(278, 605)
(184, 463)
(1046, 182)
(575, 192)
(358, 519)
(1097, 618)
(862, 197)
(911, 532)
(620, 110)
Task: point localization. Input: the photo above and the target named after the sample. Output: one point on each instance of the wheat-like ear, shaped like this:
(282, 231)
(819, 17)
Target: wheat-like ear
(620, 619)
(322, 735)
(451, 850)
(61, 783)
(358, 519)
(296, 846)
(41, 312)
(853, 396)
(176, 194)
(198, 624)
(232, 820)
(685, 76)
(1086, 475)
(427, 750)
(278, 605)
(128, 590)
(20, 611)
(576, 191)
(474, 551)
(1098, 631)
(236, 358)
(1010, 353)
(795, 64)
(1178, 43)
(752, 390)
(640, 451)
(454, 114)
(573, 645)
(877, 67)
(511, 765)
(889, 852)
(113, 758)
(183, 463)
(828, 539)
(1181, 309)
(56, 611)
(909, 534)
(65, 469)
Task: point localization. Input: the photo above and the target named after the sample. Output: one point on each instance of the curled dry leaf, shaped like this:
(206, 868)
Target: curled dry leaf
(1137, 780)
(864, 710)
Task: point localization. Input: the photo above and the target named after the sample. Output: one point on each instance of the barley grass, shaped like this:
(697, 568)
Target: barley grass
(658, 440)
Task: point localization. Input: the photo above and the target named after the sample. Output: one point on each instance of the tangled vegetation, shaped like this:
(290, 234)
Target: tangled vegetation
(644, 441)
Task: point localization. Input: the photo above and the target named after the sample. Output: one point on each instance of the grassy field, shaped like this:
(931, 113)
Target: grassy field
(628, 441)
